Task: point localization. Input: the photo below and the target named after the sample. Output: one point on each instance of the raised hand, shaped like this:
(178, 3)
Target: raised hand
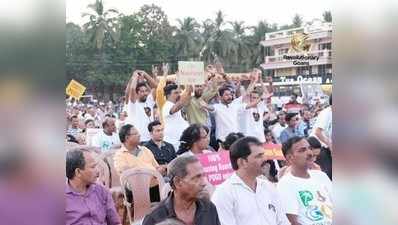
(155, 70)
(165, 69)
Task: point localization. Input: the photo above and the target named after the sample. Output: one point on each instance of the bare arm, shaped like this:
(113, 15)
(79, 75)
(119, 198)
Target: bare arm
(184, 100)
(127, 91)
(133, 94)
(293, 219)
(319, 134)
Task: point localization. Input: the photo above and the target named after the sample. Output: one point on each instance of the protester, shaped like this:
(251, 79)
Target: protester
(291, 129)
(279, 127)
(121, 121)
(86, 201)
(107, 138)
(187, 181)
(254, 114)
(197, 108)
(236, 196)
(74, 127)
(194, 140)
(323, 132)
(174, 123)
(304, 126)
(293, 106)
(163, 151)
(230, 139)
(140, 102)
(306, 194)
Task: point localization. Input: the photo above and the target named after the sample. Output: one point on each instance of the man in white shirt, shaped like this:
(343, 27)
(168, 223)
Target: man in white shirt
(279, 127)
(323, 126)
(254, 116)
(141, 103)
(306, 194)
(244, 198)
(107, 138)
(174, 123)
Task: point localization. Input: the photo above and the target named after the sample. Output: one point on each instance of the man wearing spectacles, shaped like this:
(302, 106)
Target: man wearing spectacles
(291, 130)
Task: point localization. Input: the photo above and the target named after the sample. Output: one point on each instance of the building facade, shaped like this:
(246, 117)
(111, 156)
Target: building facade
(299, 55)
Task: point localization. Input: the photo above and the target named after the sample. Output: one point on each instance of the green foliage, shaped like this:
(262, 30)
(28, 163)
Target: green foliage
(103, 52)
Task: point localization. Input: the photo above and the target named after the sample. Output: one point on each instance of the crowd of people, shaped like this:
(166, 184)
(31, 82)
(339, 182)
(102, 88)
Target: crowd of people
(163, 126)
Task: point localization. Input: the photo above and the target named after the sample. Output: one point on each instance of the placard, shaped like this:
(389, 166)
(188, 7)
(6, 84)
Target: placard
(216, 166)
(190, 73)
(75, 89)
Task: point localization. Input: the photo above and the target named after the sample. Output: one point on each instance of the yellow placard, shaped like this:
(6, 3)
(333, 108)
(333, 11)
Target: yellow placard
(75, 89)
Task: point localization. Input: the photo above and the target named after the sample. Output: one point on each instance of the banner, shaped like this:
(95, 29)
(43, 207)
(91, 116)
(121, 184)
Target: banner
(75, 89)
(273, 151)
(190, 73)
(216, 166)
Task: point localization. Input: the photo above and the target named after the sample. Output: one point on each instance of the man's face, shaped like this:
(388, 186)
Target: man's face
(90, 125)
(142, 93)
(133, 137)
(293, 98)
(301, 155)
(92, 111)
(255, 161)
(90, 173)
(307, 115)
(193, 183)
(75, 122)
(268, 137)
(204, 140)
(293, 122)
(198, 90)
(227, 97)
(111, 125)
(157, 133)
(175, 95)
(254, 97)
(282, 119)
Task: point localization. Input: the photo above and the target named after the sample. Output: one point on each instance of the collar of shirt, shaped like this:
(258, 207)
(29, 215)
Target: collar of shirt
(169, 204)
(69, 190)
(236, 180)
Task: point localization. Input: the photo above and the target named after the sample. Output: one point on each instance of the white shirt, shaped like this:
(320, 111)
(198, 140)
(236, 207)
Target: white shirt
(226, 117)
(310, 199)
(277, 130)
(324, 121)
(104, 141)
(174, 125)
(238, 204)
(139, 118)
(255, 128)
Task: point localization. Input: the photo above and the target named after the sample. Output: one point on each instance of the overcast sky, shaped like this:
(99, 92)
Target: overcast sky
(249, 11)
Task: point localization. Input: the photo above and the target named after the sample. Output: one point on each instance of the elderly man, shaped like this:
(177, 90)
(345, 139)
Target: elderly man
(86, 201)
(187, 181)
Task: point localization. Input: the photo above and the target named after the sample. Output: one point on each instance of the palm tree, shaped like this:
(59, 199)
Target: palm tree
(242, 43)
(258, 51)
(220, 43)
(101, 23)
(188, 38)
(327, 16)
(297, 21)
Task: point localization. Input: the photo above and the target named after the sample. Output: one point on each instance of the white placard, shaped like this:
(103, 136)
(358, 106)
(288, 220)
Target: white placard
(190, 73)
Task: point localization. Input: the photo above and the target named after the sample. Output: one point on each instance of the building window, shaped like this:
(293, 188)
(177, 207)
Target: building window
(325, 46)
(321, 69)
(304, 70)
(282, 51)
